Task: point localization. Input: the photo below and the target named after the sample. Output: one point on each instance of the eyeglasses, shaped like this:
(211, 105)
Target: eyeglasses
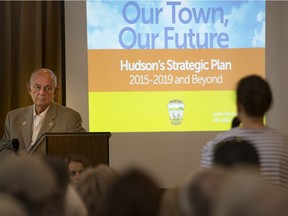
(36, 88)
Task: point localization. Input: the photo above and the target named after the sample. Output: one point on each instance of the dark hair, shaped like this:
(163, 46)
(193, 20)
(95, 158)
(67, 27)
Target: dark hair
(75, 157)
(235, 122)
(254, 93)
(235, 151)
(134, 193)
(56, 203)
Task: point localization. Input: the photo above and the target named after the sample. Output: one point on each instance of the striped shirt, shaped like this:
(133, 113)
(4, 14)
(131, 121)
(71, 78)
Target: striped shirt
(272, 148)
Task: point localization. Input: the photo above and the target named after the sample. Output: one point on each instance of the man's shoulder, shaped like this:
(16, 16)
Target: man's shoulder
(63, 109)
(20, 110)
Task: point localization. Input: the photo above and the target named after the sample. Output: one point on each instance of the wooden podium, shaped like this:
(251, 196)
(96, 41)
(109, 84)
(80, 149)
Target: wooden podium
(93, 145)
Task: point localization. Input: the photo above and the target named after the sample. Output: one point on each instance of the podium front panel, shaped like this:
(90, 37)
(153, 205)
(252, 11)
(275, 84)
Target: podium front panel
(94, 146)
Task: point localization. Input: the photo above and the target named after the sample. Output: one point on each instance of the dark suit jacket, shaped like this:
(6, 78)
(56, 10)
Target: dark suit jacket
(19, 124)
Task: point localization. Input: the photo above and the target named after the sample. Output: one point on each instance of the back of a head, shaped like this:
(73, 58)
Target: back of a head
(57, 202)
(134, 193)
(58, 167)
(9, 206)
(246, 193)
(29, 180)
(255, 95)
(234, 152)
(74, 205)
(198, 194)
(169, 205)
(93, 186)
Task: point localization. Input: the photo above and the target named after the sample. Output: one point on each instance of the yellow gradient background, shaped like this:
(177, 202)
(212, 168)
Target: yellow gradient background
(148, 111)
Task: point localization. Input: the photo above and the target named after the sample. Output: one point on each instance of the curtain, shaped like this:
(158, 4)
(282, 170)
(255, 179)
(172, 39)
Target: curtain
(31, 37)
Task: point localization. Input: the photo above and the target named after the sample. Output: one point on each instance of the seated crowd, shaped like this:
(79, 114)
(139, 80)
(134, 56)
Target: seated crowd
(243, 172)
(33, 185)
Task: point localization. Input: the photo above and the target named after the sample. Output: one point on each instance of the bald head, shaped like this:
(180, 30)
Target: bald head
(45, 72)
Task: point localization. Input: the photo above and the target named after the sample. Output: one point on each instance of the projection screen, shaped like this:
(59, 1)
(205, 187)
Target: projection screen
(140, 110)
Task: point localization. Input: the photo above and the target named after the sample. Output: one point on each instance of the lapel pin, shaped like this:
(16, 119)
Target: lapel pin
(50, 124)
(24, 123)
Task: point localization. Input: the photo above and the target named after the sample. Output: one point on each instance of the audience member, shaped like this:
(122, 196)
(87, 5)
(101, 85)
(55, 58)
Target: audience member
(254, 99)
(9, 206)
(198, 194)
(30, 181)
(56, 205)
(246, 193)
(93, 186)
(74, 205)
(235, 152)
(169, 205)
(134, 193)
(27, 124)
(76, 164)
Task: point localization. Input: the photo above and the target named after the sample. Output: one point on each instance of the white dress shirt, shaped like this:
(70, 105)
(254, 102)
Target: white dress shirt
(37, 123)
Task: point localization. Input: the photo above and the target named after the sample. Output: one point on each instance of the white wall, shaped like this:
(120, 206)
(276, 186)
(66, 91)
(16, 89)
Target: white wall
(277, 62)
(76, 58)
(170, 157)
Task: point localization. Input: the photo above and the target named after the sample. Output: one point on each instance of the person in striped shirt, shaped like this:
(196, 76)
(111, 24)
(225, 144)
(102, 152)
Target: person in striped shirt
(254, 99)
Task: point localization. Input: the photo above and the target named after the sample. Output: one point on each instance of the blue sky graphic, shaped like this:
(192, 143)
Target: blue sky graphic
(245, 22)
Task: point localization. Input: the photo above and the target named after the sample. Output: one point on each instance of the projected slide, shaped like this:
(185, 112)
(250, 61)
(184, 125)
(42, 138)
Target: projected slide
(163, 66)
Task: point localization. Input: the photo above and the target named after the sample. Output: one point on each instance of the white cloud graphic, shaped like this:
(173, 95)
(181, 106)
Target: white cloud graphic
(105, 20)
(103, 23)
(258, 39)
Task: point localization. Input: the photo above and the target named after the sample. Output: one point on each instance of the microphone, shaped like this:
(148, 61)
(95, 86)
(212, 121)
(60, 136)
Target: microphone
(15, 145)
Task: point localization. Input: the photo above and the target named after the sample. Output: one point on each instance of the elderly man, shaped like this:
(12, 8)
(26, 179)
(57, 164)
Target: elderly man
(27, 124)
